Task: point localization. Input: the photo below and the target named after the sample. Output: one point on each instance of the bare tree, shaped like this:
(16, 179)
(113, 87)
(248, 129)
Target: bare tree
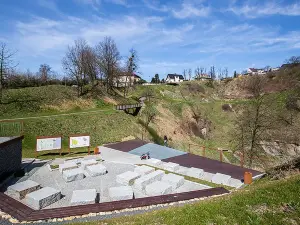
(108, 59)
(131, 68)
(89, 64)
(212, 73)
(6, 64)
(73, 63)
(184, 73)
(190, 74)
(44, 73)
(197, 73)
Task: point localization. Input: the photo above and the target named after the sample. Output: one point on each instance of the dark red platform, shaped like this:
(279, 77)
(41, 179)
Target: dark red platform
(126, 146)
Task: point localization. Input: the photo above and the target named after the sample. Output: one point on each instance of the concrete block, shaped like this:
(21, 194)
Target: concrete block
(143, 181)
(72, 175)
(232, 182)
(182, 170)
(194, 172)
(81, 197)
(207, 176)
(127, 178)
(43, 197)
(154, 162)
(174, 180)
(89, 162)
(158, 188)
(220, 178)
(96, 170)
(67, 166)
(143, 170)
(120, 193)
(20, 190)
(173, 167)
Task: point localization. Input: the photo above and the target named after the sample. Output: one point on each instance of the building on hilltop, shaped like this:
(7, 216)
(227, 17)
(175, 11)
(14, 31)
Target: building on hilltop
(174, 78)
(254, 71)
(125, 80)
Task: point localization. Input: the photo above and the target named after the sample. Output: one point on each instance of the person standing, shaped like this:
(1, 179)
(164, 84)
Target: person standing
(165, 141)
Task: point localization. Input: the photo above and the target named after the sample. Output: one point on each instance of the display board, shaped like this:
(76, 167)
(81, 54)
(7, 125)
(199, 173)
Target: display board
(48, 143)
(79, 141)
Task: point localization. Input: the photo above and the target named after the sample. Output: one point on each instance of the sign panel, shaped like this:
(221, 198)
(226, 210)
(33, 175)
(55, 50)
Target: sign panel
(47, 144)
(79, 142)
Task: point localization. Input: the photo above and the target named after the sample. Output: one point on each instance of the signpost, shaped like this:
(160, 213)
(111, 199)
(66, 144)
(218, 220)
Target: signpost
(79, 141)
(48, 143)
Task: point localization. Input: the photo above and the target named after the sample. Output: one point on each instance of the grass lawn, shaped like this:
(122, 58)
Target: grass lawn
(264, 202)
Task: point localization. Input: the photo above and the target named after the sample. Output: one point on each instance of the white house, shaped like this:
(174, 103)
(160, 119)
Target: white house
(123, 80)
(174, 79)
(254, 71)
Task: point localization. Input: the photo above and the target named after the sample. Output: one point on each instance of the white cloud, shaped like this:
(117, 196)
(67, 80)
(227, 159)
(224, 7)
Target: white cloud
(268, 9)
(154, 5)
(190, 10)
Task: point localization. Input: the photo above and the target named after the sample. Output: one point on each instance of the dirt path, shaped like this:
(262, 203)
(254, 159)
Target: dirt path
(56, 115)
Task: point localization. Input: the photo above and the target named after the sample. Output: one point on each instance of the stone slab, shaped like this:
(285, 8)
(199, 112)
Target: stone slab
(89, 162)
(182, 170)
(120, 193)
(158, 188)
(154, 162)
(194, 172)
(67, 166)
(96, 170)
(43, 197)
(173, 167)
(82, 197)
(20, 190)
(174, 180)
(127, 178)
(143, 170)
(143, 181)
(207, 176)
(220, 178)
(73, 175)
(232, 182)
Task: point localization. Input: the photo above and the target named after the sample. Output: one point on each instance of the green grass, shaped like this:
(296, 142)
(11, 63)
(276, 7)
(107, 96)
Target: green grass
(264, 202)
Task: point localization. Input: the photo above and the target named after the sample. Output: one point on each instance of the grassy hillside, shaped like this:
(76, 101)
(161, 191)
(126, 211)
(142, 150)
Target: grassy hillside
(264, 202)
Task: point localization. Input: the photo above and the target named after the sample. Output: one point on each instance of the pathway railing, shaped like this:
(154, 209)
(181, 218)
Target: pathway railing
(129, 106)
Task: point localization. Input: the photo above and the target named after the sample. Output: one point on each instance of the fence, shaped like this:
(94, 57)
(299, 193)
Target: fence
(204, 148)
(11, 128)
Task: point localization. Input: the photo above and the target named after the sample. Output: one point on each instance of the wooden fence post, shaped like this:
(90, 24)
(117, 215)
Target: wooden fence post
(203, 151)
(221, 155)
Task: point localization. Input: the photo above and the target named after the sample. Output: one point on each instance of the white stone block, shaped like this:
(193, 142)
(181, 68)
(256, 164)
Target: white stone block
(207, 176)
(72, 175)
(67, 166)
(96, 170)
(194, 172)
(174, 180)
(158, 188)
(220, 178)
(154, 162)
(20, 190)
(89, 162)
(127, 178)
(232, 182)
(171, 166)
(120, 193)
(143, 181)
(143, 170)
(43, 197)
(182, 170)
(81, 197)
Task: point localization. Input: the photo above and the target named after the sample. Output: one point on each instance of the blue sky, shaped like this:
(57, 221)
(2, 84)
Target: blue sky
(170, 36)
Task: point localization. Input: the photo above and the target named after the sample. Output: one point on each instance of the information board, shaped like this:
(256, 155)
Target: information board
(79, 141)
(47, 144)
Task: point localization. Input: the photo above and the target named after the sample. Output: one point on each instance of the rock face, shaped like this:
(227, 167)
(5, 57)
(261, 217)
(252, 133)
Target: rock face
(220, 178)
(72, 175)
(158, 188)
(41, 198)
(174, 180)
(89, 162)
(81, 197)
(96, 170)
(120, 193)
(67, 166)
(142, 182)
(20, 190)
(143, 170)
(127, 178)
(194, 172)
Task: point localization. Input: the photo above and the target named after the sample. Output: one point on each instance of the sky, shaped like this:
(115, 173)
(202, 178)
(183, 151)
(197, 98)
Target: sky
(169, 36)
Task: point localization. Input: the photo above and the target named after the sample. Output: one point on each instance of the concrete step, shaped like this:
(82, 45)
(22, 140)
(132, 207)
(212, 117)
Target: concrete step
(73, 175)
(144, 170)
(145, 180)
(127, 178)
(20, 190)
(174, 180)
(158, 188)
(43, 197)
(96, 170)
(120, 193)
(82, 197)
